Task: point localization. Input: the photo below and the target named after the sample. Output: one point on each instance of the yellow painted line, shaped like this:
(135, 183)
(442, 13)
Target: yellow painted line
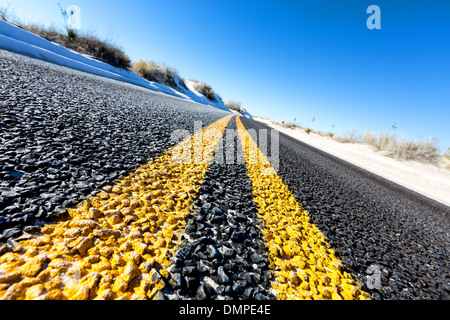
(304, 264)
(117, 244)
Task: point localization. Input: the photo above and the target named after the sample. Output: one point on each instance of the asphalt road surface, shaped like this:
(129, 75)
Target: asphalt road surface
(67, 134)
(371, 221)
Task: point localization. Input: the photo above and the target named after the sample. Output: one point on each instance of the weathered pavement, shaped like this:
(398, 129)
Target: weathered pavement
(372, 224)
(67, 135)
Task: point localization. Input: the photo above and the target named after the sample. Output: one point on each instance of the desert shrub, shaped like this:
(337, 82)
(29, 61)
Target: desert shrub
(421, 150)
(289, 125)
(402, 149)
(348, 137)
(447, 154)
(235, 105)
(330, 134)
(101, 50)
(83, 43)
(446, 162)
(368, 138)
(384, 141)
(206, 90)
(308, 130)
(157, 72)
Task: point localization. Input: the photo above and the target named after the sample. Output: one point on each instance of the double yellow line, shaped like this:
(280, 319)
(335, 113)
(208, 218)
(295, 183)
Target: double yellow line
(118, 243)
(304, 265)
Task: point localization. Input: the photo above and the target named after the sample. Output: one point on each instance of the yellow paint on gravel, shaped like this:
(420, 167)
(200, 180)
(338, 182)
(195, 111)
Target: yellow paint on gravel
(118, 243)
(304, 264)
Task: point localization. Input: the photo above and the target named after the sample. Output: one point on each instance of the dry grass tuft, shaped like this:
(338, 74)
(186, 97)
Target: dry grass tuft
(235, 105)
(348, 137)
(290, 125)
(206, 90)
(402, 149)
(88, 44)
(446, 160)
(325, 134)
(158, 72)
(368, 138)
(424, 151)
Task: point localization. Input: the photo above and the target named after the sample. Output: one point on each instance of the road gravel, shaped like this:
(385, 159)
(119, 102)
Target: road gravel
(379, 229)
(65, 134)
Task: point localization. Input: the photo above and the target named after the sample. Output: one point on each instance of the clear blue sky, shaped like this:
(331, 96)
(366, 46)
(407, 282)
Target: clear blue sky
(292, 59)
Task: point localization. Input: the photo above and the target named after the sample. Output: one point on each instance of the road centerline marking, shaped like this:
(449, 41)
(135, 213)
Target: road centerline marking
(118, 243)
(304, 264)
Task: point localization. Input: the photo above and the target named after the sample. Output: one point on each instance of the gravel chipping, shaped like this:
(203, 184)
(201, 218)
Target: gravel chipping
(394, 240)
(223, 255)
(65, 134)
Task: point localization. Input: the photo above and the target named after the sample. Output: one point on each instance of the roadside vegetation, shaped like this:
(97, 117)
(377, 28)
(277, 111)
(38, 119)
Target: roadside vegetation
(425, 151)
(106, 51)
(160, 73)
(347, 137)
(84, 43)
(88, 44)
(206, 90)
(290, 125)
(447, 154)
(235, 105)
(447, 158)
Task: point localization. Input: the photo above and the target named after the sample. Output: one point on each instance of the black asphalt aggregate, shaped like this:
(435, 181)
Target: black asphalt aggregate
(373, 224)
(66, 134)
(223, 255)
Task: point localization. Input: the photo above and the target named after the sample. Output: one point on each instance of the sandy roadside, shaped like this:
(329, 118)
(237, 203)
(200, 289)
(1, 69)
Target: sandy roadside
(425, 179)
